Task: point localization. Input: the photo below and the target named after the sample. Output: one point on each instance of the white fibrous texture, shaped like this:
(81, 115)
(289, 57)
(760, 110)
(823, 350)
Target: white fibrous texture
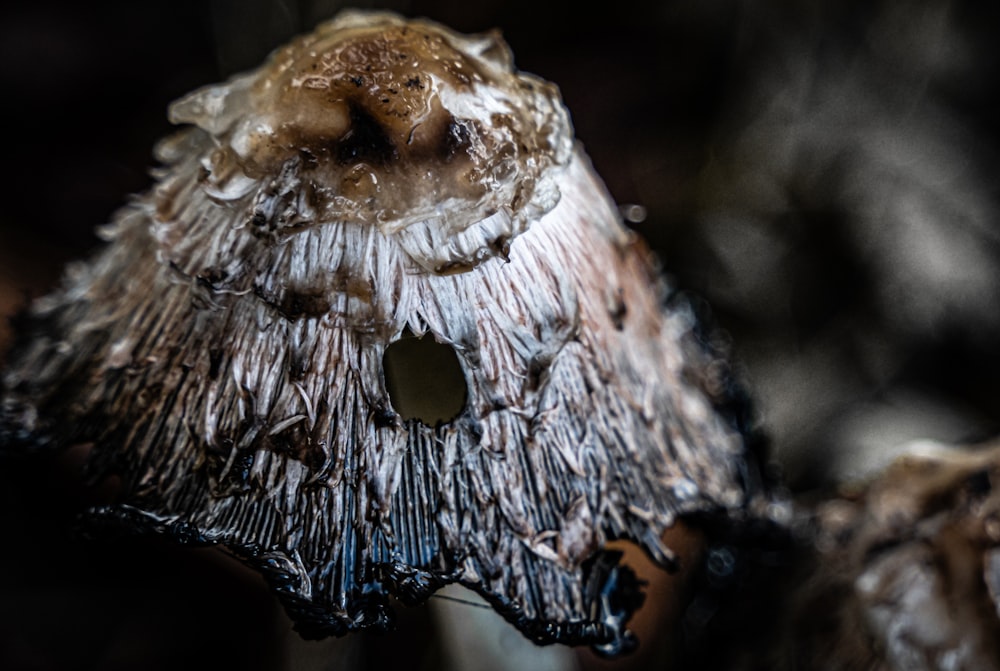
(224, 352)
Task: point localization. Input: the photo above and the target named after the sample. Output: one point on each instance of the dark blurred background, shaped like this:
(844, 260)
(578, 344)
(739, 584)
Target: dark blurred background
(822, 173)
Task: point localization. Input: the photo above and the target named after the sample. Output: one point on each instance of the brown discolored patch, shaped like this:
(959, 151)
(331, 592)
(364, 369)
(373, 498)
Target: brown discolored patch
(618, 309)
(215, 358)
(365, 141)
(293, 304)
(297, 363)
(500, 246)
(353, 286)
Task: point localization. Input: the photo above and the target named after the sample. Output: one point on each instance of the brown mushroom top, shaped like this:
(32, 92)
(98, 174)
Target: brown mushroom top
(392, 123)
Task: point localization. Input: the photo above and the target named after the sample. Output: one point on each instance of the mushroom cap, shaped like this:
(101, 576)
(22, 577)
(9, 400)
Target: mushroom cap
(226, 351)
(393, 123)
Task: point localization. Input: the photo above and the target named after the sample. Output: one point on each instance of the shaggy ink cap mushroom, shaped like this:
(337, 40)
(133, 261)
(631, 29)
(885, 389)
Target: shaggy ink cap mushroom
(226, 351)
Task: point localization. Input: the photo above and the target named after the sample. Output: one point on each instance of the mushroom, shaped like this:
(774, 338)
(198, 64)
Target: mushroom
(378, 328)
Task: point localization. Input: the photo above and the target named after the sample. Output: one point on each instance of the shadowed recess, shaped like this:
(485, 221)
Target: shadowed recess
(424, 379)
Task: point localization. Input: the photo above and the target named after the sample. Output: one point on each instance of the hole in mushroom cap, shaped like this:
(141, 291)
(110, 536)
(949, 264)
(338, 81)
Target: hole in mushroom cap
(424, 379)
